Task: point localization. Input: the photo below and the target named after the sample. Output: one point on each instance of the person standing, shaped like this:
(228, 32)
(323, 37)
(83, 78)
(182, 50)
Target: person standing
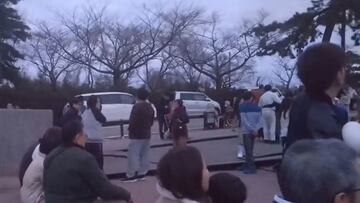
(284, 118)
(178, 122)
(250, 115)
(163, 109)
(141, 120)
(268, 102)
(321, 68)
(93, 120)
(73, 112)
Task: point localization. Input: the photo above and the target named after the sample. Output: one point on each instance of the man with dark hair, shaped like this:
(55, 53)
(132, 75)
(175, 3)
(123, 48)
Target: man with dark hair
(71, 174)
(319, 171)
(268, 102)
(74, 111)
(250, 115)
(321, 68)
(141, 120)
(163, 108)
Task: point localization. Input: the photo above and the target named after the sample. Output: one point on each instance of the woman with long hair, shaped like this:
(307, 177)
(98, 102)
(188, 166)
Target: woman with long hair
(178, 124)
(93, 119)
(284, 120)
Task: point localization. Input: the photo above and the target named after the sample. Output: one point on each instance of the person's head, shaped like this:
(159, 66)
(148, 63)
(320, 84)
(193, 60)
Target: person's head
(178, 103)
(247, 96)
(76, 103)
(93, 102)
(326, 171)
(321, 67)
(226, 188)
(183, 172)
(268, 88)
(50, 140)
(73, 133)
(142, 94)
(261, 86)
(227, 103)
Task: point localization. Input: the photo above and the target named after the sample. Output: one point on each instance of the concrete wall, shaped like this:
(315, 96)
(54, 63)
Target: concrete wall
(19, 129)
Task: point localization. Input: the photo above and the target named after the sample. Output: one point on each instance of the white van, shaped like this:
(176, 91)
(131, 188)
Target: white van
(115, 105)
(197, 103)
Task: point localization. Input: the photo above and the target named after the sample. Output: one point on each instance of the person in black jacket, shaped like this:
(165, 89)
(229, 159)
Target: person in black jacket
(73, 113)
(163, 108)
(71, 174)
(321, 68)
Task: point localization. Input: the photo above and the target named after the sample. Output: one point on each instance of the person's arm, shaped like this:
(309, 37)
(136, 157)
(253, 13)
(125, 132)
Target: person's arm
(98, 115)
(132, 118)
(100, 184)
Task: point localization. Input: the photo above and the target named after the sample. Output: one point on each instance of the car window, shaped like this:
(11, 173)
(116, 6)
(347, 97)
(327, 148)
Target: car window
(110, 99)
(199, 97)
(127, 99)
(187, 96)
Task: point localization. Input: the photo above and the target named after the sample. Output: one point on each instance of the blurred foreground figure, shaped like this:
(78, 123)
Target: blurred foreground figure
(319, 171)
(313, 115)
(71, 174)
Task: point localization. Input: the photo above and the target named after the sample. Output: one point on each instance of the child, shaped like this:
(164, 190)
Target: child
(250, 115)
(226, 188)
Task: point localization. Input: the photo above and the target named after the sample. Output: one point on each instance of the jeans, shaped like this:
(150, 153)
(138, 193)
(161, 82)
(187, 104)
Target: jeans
(96, 149)
(138, 157)
(249, 152)
(269, 122)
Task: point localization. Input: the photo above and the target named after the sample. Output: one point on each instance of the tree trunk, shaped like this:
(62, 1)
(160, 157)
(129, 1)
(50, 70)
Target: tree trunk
(218, 83)
(116, 79)
(328, 32)
(53, 85)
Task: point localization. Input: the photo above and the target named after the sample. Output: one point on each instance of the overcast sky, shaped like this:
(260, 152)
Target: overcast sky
(231, 12)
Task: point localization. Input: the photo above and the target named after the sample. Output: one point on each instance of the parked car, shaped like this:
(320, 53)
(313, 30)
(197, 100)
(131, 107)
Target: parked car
(115, 105)
(197, 103)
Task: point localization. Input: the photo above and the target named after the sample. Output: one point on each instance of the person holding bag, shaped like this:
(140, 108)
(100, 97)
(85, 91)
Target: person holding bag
(178, 121)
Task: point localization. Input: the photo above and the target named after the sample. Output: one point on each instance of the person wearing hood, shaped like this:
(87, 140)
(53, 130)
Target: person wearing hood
(93, 120)
(178, 122)
(32, 190)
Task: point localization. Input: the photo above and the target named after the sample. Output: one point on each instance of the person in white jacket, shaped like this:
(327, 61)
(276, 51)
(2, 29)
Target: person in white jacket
(267, 103)
(32, 188)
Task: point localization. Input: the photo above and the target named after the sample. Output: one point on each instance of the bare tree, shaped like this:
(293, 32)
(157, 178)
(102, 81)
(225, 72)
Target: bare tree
(153, 73)
(47, 55)
(285, 71)
(217, 55)
(109, 47)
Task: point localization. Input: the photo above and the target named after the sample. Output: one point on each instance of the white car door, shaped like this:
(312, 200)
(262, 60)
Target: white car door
(127, 102)
(111, 106)
(201, 103)
(189, 103)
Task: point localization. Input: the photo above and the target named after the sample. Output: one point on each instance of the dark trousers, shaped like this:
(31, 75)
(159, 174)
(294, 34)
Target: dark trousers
(162, 125)
(249, 152)
(96, 149)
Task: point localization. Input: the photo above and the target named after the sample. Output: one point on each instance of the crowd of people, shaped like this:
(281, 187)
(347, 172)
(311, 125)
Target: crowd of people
(66, 165)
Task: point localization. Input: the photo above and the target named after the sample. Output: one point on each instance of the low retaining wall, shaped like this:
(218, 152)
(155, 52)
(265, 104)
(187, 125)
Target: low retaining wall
(19, 129)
